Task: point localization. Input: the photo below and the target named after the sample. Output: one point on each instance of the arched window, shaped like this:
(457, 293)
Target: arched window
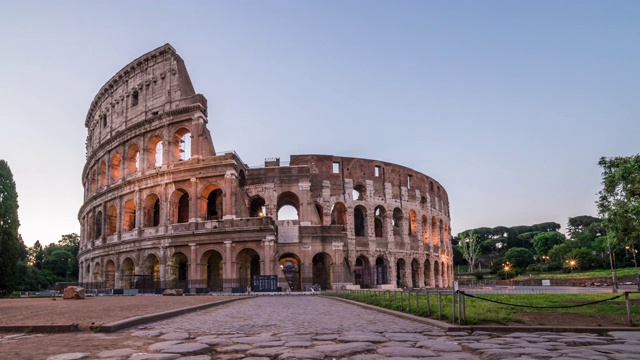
(183, 208)
(214, 205)
(339, 214)
(154, 152)
(132, 161)
(434, 231)
(379, 213)
(257, 207)
(93, 181)
(413, 223)
(425, 229)
(112, 220)
(358, 192)
(116, 162)
(288, 206)
(129, 215)
(102, 176)
(397, 221)
(151, 211)
(98, 231)
(182, 149)
(360, 221)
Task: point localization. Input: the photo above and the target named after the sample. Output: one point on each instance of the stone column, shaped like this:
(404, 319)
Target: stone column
(227, 270)
(193, 266)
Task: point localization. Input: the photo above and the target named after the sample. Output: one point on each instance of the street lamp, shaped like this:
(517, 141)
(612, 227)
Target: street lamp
(506, 267)
(633, 252)
(572, 265)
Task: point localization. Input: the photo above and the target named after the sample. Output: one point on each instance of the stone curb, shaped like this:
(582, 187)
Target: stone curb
(489, 328)
(40, 328)
(138, 320)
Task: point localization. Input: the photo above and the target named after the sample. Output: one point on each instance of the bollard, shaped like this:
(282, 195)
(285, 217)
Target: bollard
(626, 299)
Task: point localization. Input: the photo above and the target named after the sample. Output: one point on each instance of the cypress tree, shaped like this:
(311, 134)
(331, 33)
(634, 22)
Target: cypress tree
(9, 237)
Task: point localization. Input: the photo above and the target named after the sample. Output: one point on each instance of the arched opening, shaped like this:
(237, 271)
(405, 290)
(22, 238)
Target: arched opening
(382, 275)
(360, 220)
(290, 266)
(397, 221)
(132, 161)
(401, 273)
(151, 210)
(127, 272)
(427, 273)
(288, 206)
(92, 181)
(214, 270)
(436, 273)
(116, 162)
(322, 270)
(413, 223)
(441, 231)
(110, 275)
(151, 269)
(112, 220)
(211, 202)
(182, 149)
(318, 215)
(181, 213)
(257, 207)
(248, 266)
(154, 152)
(102, 175)
(97, 275)
(425, 229)
(358, 192)
(339, 214)
(178, 271)
(129, 215)
(361, 273)
(378, 221)
(98, 231)
(434, 231)
(415, 273)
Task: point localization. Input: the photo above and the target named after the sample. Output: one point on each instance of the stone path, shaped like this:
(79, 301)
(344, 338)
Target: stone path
(288, 327)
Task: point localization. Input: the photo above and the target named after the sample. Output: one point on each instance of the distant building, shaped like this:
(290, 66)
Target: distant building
(163, 209)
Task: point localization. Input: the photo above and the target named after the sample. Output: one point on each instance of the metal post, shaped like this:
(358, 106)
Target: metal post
(453, 307)
(626, 299)
(439, 305)
(611, 262)
(428, 305)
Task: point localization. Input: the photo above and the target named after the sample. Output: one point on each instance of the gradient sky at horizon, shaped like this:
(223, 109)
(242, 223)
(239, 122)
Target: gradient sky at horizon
(508, 104)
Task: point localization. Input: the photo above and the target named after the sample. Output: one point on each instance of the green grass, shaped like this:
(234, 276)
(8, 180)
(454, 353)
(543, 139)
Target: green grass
(480, 311)
(623, 272)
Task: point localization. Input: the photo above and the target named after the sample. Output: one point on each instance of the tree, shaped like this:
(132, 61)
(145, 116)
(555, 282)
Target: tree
(580, 223)
(9, 237)
(519, 257)
(470, 248)
(36, 255)
(619, 199)
(543, 242)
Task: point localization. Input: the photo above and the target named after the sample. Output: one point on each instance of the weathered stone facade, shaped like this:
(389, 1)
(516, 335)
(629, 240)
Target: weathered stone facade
(162, 207)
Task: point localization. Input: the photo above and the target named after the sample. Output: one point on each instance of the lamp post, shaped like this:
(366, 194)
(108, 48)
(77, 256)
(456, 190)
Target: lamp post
(506, 267)
(633, 252)
(612, 263)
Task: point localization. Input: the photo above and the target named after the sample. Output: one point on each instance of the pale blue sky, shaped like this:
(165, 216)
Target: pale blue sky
(509, 104)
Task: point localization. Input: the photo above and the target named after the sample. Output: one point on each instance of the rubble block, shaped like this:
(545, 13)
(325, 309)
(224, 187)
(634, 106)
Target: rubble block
(73, 292)
(169, 292)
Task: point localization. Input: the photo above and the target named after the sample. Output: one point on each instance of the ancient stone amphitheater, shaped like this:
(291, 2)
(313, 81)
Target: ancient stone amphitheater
(163, 209)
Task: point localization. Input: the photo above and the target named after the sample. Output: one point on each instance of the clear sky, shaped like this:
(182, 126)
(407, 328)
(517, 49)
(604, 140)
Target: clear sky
(508, 104)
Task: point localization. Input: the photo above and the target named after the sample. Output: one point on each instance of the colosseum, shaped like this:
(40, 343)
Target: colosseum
(163, 209)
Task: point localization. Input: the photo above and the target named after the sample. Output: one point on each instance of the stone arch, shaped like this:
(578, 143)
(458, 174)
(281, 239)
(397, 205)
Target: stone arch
(93, 182)
(441, 231)
(427, 273)
(378, 221)
(181, 148)
(180, 206)
(257, 207)
(290, 266)
(127, 272)
(397, 221)
(97, 274)
(110, 274)
(247, 266)
(132, 159)
(211, 202)
(361, 272)
(434, 231)
(116, 162)
(339, 214)
(151, 269)
(318, 216)
(102, 175)
(436, 274)
(98, 230)
(425, 229)
(360, 221)
(413, 223)
(112, 220)
(151, 211)
(415, 273)
(322, 270)
(178, 271)
(288, 206)
(129, 215)
(213, 271)
(359, 192)
(382, 271)
(154, 152)
(401, 273)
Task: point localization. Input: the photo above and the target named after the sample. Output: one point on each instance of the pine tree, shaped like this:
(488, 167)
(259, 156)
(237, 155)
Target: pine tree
(9, 237)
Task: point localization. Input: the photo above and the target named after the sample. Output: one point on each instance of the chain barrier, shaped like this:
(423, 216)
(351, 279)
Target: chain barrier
(540, 307)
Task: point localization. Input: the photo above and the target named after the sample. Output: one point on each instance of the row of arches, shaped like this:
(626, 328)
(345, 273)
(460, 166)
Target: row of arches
(129, 162)
(417, 274)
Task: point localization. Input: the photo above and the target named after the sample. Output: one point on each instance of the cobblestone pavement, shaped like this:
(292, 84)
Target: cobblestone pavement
(296, 327)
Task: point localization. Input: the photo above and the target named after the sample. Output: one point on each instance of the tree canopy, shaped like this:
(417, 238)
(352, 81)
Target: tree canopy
(9, 236)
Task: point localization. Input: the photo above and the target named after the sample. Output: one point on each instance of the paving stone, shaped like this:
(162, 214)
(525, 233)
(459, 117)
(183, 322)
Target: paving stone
(196, 357)
(268, 352)
(298, 344)
(302, 354)
(70, 356)
(405, 337)
(116, 353)
(318, 343)
(147, 333)
(478, 346)
(439, 345)
(362, 337)
(234, 348)
(397, 344)
(325, 337)
(456, 333)
(255, 339)
(270, 343)
(624, 348)
(159, 346)
(187, 349)
(406, 352)
(143, 356)
(499, 353)
(626, 335)
(346, 348)
(582, 342)
(368, 357)
(213, 340)
(175, 336)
